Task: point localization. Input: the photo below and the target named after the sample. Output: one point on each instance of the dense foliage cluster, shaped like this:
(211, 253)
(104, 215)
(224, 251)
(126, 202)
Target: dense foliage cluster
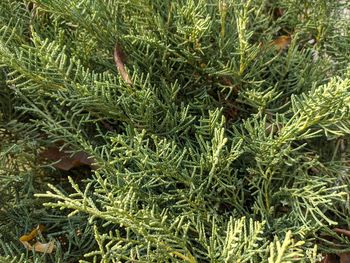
(217, 129)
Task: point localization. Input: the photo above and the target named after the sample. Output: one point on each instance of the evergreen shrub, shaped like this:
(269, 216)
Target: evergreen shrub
(174, 131)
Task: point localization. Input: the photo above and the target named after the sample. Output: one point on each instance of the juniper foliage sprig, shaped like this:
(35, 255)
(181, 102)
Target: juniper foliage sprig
(225, 147)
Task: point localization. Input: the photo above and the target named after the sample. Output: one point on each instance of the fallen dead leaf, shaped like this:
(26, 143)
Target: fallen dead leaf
(119, 59)
(281, 42)
(40, 247)
(344, 258)
(277, 13)
(64, 161)
(44, 247)
(342, 231)
(33, 234)
(330, 258)
(339, 257)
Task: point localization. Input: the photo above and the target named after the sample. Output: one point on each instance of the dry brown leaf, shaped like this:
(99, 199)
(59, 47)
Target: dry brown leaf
(281, 42)
(64, 161)
(44, 247)
(119, 59)
(225, 81)
(344, 258)
(40, 247)
(277, 13)
(33, 234)
(330, 258)
(339, 257)
(342, 231)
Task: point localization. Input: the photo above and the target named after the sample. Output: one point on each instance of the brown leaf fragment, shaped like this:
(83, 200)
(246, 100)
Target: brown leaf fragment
(281, 42)
(119, 59)
(344, 258)
(330, 258)
(225, 81)
(40, 247)
(63, 159)
(44, 247)
(33, 234)
(341, 231)
(277, 13)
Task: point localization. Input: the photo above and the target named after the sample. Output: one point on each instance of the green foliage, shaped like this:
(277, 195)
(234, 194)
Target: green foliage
(225, 147)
